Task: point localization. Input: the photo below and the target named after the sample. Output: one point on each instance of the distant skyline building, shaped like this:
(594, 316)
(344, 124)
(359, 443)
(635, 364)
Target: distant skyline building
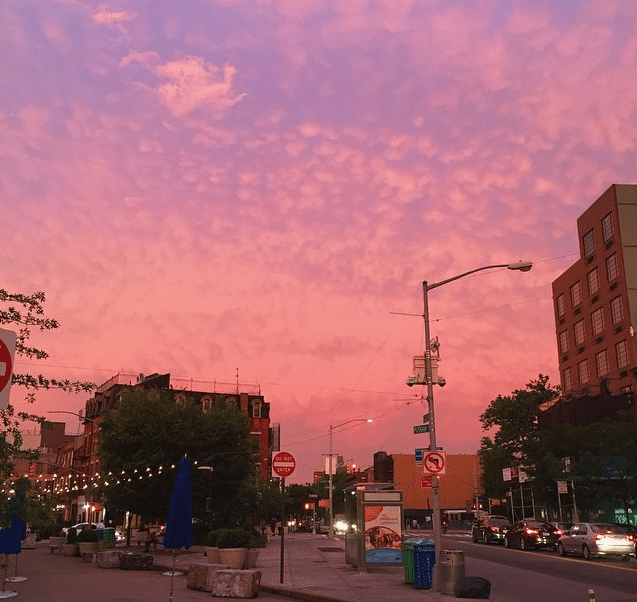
(595, 301)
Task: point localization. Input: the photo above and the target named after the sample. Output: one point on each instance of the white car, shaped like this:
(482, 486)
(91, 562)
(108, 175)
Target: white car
(597, 539)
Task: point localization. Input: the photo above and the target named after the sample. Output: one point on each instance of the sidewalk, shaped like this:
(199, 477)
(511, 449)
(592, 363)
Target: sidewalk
(315, 570)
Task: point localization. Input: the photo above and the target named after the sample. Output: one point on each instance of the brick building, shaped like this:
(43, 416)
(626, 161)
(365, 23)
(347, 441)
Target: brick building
(595, 300)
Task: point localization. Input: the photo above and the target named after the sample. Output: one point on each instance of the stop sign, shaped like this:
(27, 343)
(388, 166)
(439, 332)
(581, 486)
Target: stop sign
(283, 464)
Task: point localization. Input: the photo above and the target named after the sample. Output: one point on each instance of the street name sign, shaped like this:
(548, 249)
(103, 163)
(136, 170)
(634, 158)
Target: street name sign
(421, 428)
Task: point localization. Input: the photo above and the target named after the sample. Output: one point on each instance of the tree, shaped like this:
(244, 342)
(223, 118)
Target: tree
(516, 441)
(25, 313)
(148, 432)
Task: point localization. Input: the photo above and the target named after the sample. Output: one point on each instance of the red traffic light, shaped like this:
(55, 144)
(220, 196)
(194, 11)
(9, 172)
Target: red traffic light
(307, 505)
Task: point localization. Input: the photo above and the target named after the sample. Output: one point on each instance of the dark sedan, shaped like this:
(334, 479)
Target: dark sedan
(530, 534)
(490, 529)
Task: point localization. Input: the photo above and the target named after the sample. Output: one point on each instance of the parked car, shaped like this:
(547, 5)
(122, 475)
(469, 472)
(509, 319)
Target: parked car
(490, 529)
(531, 534)
(597, 539)
(80, 527)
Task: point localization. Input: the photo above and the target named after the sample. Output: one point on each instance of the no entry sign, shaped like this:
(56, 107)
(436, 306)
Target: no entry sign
(7, 351)
(283, 464)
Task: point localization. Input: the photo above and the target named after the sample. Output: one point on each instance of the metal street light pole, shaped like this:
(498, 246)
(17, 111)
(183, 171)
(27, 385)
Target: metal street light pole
(523, 266)
(330, 533)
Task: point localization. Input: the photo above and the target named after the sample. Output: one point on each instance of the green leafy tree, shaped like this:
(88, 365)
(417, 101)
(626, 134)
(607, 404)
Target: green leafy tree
(516, 441)
(148, 432)
(23, 314)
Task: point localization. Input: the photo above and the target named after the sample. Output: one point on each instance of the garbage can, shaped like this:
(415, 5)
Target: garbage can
(108, 538)
(408, 559)
(450, 571)
(424, 560)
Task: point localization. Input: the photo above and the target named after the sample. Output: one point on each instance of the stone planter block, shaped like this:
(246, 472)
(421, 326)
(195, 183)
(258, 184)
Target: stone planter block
(108, 559)
(232, 583)
(201, 575)
(136, 561)
(233, 557)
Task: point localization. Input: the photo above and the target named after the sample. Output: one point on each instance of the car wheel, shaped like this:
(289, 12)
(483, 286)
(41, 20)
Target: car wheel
(560, 549)
(522, 544)
(487, 539)
(507, 543)
(625, 557)
(586, 552)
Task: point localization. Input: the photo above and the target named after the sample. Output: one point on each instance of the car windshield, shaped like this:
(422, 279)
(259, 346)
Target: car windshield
(610, 529)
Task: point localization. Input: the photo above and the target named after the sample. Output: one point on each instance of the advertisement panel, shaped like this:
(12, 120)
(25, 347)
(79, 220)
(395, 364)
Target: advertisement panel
(383, 534)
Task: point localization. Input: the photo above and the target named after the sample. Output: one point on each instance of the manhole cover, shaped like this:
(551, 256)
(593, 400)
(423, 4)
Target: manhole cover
(330, 549)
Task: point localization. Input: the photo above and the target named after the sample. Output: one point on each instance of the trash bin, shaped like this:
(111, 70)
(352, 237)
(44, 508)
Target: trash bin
(450, 570)
(108, 538)
(408, 559)
(424, 560)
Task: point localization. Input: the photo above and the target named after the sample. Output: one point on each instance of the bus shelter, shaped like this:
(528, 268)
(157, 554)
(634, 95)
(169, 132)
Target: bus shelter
(377, 511)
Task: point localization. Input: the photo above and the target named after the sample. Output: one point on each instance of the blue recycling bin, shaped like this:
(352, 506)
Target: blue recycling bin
(424, 560)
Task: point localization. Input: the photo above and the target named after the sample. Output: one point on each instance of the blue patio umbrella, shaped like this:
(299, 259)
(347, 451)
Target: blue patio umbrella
(179, 521)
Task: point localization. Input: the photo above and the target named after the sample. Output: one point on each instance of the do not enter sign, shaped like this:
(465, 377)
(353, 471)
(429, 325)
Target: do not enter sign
(283, 464)
(7, 350)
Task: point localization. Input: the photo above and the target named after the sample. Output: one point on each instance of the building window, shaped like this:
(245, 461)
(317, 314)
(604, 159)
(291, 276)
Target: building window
(616, 310)
(576, 294)
(256, 409)
(567, 379)
(563, 340)
(601, 362)
(607, 228)
(612, 270)
(621, 351)
(560, 306)
(597, 322)
(589, 243)
(593, 281)
(206, 403)
(582, 372)
(580, 333)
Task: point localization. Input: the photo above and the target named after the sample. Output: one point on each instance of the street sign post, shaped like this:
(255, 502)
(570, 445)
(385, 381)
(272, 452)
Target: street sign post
(421, 428)
(283, 464)
(7, 352)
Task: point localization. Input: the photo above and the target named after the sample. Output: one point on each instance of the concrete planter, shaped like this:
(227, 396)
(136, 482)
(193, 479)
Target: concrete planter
(71, 549)
(251, 558)
(212, 554)
(57, 541)
(233, 557)
(88, 547)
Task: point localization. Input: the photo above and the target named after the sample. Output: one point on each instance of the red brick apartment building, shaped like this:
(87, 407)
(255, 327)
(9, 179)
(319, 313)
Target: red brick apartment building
(595, 301)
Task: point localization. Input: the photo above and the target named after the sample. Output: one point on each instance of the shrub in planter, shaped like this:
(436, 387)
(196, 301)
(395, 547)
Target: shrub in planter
(71, 536)
(233, 538)
(87, 535)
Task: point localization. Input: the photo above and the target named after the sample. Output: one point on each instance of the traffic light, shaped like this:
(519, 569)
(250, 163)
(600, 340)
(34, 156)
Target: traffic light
(308, 506)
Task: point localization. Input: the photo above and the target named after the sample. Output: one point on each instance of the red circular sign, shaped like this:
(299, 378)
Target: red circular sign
(6, 365)
(283, 464)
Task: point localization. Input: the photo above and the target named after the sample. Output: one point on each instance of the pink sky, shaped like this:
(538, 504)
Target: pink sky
(216, 186)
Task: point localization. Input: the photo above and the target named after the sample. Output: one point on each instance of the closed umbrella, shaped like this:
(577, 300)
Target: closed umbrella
(179, 522)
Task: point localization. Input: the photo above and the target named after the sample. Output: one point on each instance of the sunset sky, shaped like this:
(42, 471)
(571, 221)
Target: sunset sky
(256, 189)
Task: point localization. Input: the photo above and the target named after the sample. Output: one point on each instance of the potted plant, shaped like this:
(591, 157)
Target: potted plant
(257, 541)
(233, 546)
(212, 551)
(59, 539)
(141, 534)
(71, 547)
(88, 540)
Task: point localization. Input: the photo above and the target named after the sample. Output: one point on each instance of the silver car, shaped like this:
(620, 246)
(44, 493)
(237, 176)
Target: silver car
(597, 539)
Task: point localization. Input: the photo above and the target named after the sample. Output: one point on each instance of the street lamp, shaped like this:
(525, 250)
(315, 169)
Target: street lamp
(210, 469)
(330, 533)
(522, 266)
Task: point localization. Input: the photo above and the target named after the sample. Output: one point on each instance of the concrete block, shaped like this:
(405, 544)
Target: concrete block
(235, 583)
(108, 559)
(136, 561)
(201, 575)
